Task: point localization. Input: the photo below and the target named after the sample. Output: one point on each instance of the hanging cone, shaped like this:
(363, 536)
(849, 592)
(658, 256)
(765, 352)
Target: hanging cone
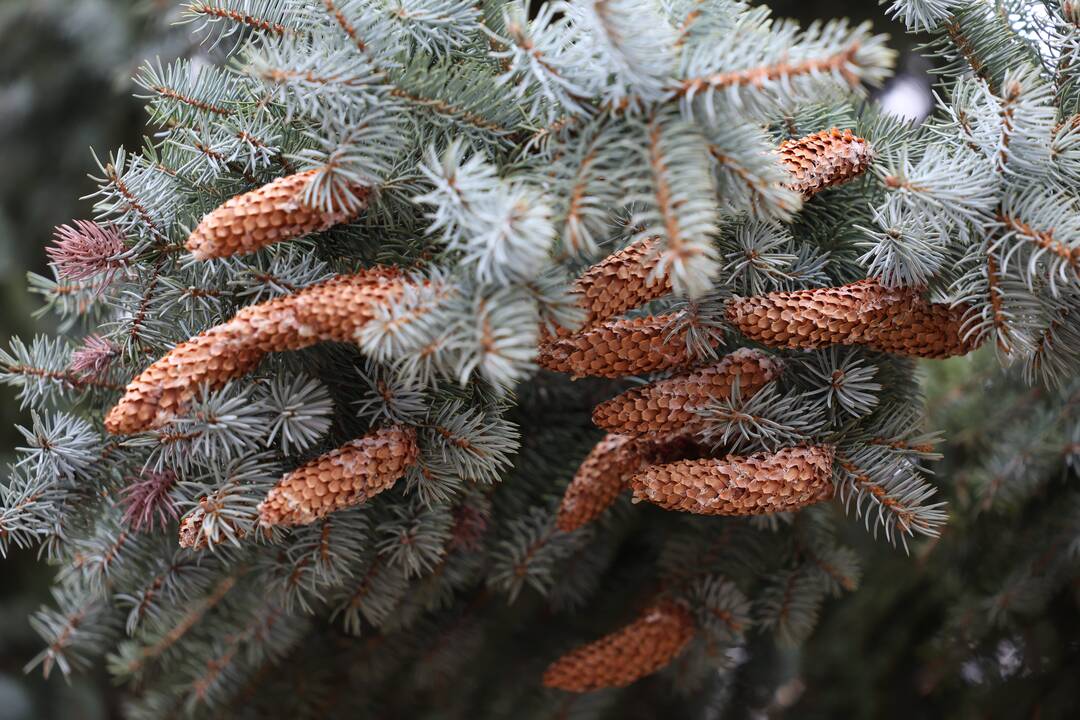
(826, 158)
(897, 320)
(347, 476)
(917, 328)
(619, 347)
(333, 310)
(669, 405)
(759, 484)
(599, 480)
(606, 470)
(641, 648)
(622, 281)
(270, 214)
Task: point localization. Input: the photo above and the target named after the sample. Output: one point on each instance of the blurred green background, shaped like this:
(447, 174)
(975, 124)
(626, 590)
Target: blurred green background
(65, 69)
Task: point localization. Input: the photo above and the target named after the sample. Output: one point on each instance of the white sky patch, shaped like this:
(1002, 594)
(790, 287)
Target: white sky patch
(907, 97)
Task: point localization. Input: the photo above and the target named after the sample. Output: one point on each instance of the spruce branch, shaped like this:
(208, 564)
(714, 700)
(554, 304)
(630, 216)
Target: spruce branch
(774, 64)
(890, 491)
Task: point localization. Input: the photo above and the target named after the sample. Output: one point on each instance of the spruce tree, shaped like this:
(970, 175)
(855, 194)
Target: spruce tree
(320, 437)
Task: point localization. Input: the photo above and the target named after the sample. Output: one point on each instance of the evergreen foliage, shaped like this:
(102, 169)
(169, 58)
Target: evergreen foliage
(458, 166)
(983, 620)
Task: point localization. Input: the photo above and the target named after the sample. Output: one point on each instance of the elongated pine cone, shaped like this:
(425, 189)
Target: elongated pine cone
(608, 468)
(347, 476)
(599, 480)
(758, 484)
(918, 328)
(641, 648)
(333, 310)
(826, 158)
(622, 281)
(896, 320)
(270, 214)
(669, 405)
(624, 346)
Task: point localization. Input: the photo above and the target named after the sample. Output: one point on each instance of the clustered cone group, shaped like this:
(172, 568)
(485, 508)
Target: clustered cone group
(892, 320)
(347, 476)
(650, 445)
(270, 214)
(650, 426)
(333, 310)
(641, 648)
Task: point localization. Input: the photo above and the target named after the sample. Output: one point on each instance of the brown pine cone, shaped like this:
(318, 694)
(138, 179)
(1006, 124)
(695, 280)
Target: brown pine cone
(599, 480)
(826, 158)
(622, 281)
(192, 533)
(333, 310)
(607, 468)
(347, 476)
(896, 320)
(618, 347)
(669, 405)
(641, 648)
(810, 319)
(758, 484)
(917, 328)
(270, 214)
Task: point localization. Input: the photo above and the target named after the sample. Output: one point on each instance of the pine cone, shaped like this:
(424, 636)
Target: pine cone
(347, 476)
(191, 535)
(270, 214)
(598, 481)
(826, 158)
(641, 648)
(618, 347)
(622, 281)
(191, 527)
(669, 405)
(918, 328)
(333, 310)
(759, 484)
(897, 320)
(608, 468)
